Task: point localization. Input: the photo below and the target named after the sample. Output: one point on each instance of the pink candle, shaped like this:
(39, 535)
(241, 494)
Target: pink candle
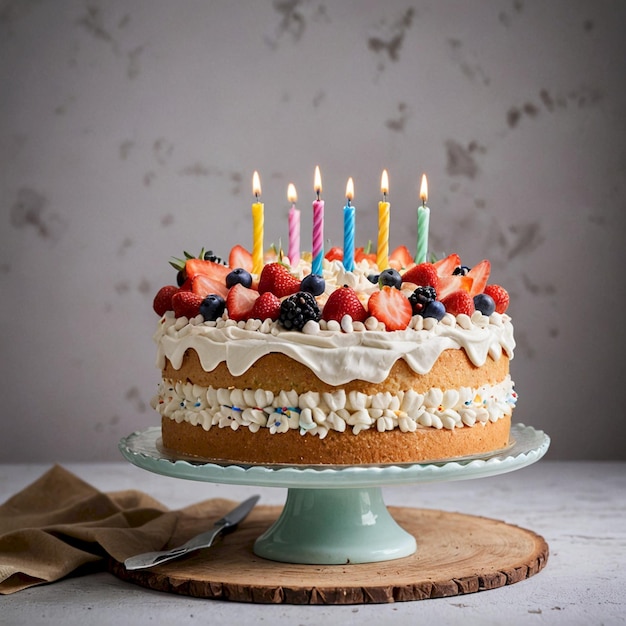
(294, 227)
(318, 226)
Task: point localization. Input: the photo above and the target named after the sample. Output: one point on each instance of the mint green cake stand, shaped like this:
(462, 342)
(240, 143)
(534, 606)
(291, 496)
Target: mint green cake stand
(335, 515)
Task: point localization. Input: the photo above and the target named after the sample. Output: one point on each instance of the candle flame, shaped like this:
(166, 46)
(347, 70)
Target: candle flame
(292, 195)
(317, 184)
(350, 189)
(256, 184)
(424, 190)
(384, 183)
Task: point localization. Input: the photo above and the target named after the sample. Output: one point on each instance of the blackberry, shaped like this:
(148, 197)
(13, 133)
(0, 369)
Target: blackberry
(209, 256)
(422, 297)
(297, 310)
(461, 270)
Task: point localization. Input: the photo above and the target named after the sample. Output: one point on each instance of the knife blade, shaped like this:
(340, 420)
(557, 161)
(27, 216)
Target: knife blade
(203, 540)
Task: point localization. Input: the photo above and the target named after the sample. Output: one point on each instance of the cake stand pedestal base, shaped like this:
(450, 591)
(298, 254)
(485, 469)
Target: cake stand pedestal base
(335, 526)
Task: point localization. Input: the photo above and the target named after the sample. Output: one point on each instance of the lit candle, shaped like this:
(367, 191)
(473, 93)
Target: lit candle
(423, 218)
(294, 226)
(382, 251)
(348, 229)
(257, 226)
(318, 226)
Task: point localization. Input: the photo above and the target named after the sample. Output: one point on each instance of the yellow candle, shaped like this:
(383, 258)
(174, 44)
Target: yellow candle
(257, 226)
(382, 251)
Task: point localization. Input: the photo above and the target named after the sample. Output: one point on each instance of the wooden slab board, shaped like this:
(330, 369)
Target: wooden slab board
(456, 554)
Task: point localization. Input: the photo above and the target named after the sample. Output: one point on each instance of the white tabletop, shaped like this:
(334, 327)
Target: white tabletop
(579, 508)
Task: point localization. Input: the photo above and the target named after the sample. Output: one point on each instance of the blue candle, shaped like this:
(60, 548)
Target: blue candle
(348, 229)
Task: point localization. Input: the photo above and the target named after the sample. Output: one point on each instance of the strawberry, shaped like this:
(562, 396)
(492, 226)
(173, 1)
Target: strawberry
(276, 278)
(450, 284)
(479, 275)
(361, 254)
(240, 301)
(500, 297)
(392, 307)
(459, 302)
(423, 275)
(344, 301)
(204, 285)
(163, 300)
(216, 271)
(400, 258)
(186, 304)
(334, 254)
(240, 257)
(267, 305)
(446, 266)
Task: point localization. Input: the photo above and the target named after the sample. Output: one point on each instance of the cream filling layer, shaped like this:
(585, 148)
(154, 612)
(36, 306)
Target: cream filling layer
(336, 357)
(316, 413)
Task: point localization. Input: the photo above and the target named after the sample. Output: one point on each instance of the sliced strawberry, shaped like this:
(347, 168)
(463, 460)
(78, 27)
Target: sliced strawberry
(446, 266)
(240, 257)
(400, 258)
(267, 305)
(216, 271)
(344, 301)
(500, 297)
(479, 275)
(276, 278)
(449, 284)
(186, 304)
(361, 254)
(459, 302)
(240, 302)
(392, 307)
(205, 285)
(334, 254)
(423, 275)
(163, 300)
(186, 286)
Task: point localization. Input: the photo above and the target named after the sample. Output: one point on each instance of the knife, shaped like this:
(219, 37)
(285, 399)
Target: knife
(203, 540)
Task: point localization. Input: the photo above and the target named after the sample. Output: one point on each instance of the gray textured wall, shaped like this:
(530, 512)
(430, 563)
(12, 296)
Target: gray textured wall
(129, 131)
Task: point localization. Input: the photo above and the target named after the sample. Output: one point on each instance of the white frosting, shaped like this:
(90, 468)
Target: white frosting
(316, 413)
(335, 356)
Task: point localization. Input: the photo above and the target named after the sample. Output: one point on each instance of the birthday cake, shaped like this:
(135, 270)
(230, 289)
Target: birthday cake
(289, 366)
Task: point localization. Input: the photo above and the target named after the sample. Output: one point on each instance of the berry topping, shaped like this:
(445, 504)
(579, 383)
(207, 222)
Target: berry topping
(373, 278)
(365, 254)
(400, 258)
(424, 274)
(240, 257)
(297, 310)
(334, 254)
(239, 276)
(344, 301)
(500, 297)
(266, 306)
(200, 267)
(163, 300)
(484, 303)
(447, 265)
(390, 278)
(204, 285)
(212, 307)
(434, 309)
(391, 307)
(479, 275)
(275, 277)
(209, 256)
(459, 302)
(186, 304)
(314, 284)
(181, 277)
(240, 301)
(421, 297)
(461, 270)
(450, 284)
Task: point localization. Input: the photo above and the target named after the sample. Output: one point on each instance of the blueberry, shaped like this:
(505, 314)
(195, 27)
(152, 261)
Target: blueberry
(434, 309)
(212, 307)
(373, 278)
(313, 284)
(238, 276)
(485, 304)
(461, 270)
(421, 297)
(181, 277)
(390, 278)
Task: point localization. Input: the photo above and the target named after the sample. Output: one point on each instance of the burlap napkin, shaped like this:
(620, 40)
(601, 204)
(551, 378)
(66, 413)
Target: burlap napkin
(60, 525)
